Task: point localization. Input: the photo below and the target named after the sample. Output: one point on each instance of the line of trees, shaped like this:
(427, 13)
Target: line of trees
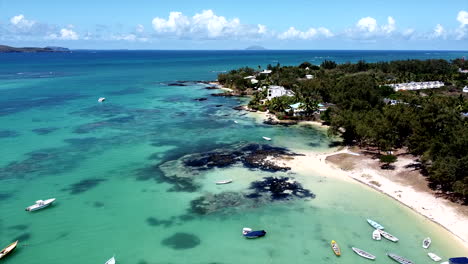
(428, 123)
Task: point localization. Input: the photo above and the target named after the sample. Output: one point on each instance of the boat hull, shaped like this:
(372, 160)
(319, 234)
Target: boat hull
(7, 250)
(336, 249)
(363, 253)
(255, 234)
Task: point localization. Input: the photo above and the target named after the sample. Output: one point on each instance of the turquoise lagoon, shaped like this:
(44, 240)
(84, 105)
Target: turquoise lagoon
(102, 163)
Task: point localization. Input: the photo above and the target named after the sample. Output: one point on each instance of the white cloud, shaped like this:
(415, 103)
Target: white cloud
(140, 28)
(293, 33)
(368, 24)
(368, 28)
(129, 37)
(20, 21)
(205, 25)
(463, 18)
(462, 30)
(438, 32)
(65, 34)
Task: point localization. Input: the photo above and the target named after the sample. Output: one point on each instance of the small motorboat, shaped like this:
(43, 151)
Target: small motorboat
(40, 204)
(376, 235)
(267, 138)
(426, 242)
(246, 230)
(101, 99)
(224, 182)
(460, 260)
(235, 121)
(111, 261)
(399, 259)
(374, 224)
(388, 236)
(255, 234)
(363, 253)
(434, 257)
(335, 248)
(8, 249)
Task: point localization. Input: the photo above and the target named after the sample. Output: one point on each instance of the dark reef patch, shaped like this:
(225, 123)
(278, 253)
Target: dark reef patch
(44, 130)
(98, 204)
(23, 237)
(280, 188)
(19, 227)
(254, 156)
(212, 203)
(6, 133)
(181, 241)
(5, 196)
(83, 186)
(153, 221)
(126, 91)
(201, 99)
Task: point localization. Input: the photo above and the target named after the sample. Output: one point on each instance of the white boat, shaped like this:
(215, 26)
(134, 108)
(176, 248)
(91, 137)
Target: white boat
(434, 257)
(101, 99)
(246, 230)
(426, 242)
(445, 262)
(235, 121)
(388, 236)
(376, 235)
(374, 224)
(40, 204)
(266, 138)
(399, 259)
(224, 182)
(363, 253)
(111, 261)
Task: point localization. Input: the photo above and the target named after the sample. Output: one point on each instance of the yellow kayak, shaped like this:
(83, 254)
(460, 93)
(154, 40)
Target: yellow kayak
(335, 248)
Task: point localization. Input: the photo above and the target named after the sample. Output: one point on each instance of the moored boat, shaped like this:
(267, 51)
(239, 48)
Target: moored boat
(426, 242)
(111, 261)
(255, 234)
(335, 248)
(376, 235)
(8, 249)
(246, 230)
(363, 253)
(434, 257)
(40, 204)
(235, 121)
(374, 224)
(224, 182)
(101, 99)
(388, 236)
(460, 260)
(266, 138)
(399, 259)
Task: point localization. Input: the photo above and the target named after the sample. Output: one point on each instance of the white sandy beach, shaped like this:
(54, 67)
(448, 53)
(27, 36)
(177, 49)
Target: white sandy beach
(405, 185)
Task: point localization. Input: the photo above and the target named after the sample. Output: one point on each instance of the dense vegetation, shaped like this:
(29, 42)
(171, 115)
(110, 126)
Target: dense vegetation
(428, 123)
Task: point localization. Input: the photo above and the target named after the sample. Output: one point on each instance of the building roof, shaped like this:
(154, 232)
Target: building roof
(296, 105)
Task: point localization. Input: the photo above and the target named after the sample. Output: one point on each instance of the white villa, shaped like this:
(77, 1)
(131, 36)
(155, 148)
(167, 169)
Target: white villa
(277, 91)
(465, 89)
(416, 85)
(265, 72)
(460, 70)
(309, 76)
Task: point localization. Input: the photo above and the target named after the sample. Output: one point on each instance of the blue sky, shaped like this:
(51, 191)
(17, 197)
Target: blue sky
(209, 24)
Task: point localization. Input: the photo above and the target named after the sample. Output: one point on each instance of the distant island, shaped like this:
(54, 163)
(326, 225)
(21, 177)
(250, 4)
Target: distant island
(255, 47)
(8, 49)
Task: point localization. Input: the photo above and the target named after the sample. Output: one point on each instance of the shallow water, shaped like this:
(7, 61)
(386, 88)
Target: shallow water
(101, 162)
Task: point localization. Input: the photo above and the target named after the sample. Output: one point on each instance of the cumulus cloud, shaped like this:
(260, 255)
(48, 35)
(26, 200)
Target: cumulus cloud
(20, 21)
(462, 30)
(205, 25)
(368, 28)
(140, 28)
(64, 34)
(293, 33)
(438, 32)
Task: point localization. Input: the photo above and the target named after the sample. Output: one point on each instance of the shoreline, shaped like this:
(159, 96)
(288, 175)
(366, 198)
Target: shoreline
(357, 167)
(404, 185)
